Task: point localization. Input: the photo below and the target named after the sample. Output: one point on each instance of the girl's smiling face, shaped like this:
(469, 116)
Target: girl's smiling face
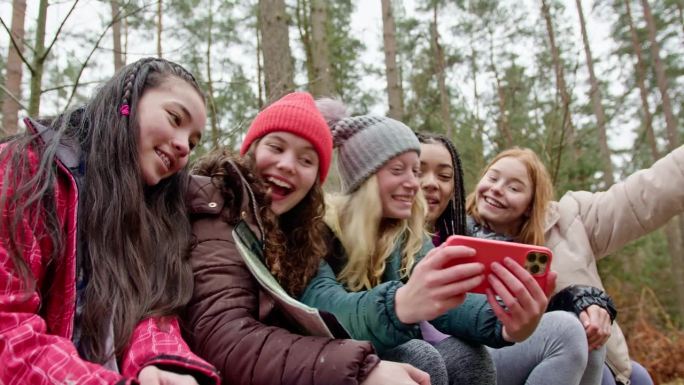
(504, 195)
(289, 165)
(436, 178)
(171, 117)
(398, 184)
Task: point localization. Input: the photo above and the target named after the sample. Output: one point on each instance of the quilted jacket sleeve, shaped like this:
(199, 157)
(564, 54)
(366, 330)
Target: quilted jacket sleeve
(631, 208)
(367, 315)
(30, 353)
(223, 319)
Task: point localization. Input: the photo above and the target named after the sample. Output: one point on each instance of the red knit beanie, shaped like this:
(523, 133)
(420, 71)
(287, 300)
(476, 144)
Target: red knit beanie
(295, 113)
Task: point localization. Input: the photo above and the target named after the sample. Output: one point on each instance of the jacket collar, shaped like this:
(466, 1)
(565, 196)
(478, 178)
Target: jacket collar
(68, 152)
(552, 216)
(204, 197)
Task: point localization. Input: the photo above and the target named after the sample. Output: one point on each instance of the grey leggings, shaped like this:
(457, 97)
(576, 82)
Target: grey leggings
(450, 362)
(556, 353)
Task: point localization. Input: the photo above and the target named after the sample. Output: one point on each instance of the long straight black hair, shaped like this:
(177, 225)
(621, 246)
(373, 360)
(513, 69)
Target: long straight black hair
(134, 237)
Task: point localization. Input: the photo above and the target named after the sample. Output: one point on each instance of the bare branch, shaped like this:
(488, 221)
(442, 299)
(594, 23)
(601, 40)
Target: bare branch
(60, 87)
(16, 46)
(59, 30)
(95, 47)
(16, 100)
(85, 64)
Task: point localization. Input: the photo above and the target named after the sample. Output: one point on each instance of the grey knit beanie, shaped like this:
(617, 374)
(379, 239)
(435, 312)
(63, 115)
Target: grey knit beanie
(365, 143)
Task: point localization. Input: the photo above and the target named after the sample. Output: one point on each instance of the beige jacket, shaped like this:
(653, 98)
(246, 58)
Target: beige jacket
(583, 227)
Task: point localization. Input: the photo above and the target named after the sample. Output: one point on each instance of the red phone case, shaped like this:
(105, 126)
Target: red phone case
(535, 259)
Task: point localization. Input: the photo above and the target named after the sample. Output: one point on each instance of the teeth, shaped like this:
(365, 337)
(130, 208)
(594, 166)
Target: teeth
(494, 202)
(279, 183)
(164, 158)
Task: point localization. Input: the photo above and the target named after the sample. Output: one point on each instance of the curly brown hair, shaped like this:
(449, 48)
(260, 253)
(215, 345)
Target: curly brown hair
(293, 242)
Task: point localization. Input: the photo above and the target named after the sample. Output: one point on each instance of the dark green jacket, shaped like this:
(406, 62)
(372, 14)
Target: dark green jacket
(369, 314)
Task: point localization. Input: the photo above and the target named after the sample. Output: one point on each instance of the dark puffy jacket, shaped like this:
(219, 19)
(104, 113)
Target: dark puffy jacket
(238, 325)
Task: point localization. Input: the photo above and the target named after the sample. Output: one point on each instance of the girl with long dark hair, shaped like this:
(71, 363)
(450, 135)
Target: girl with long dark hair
(93, 236)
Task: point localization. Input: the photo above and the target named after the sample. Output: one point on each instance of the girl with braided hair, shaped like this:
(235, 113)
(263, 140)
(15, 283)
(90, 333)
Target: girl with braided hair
(93, 236)
(258, 226)
(558, 348)
(444, 190)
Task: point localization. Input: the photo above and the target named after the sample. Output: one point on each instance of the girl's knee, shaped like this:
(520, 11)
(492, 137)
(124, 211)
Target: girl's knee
(423, 356)
(563, 332)
(455, 349)
(640, 375)
(413, 351)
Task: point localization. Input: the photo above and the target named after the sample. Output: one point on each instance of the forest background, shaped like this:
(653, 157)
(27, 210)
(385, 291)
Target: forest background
(596, 88)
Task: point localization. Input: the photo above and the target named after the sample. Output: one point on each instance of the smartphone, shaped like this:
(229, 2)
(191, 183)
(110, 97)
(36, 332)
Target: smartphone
(535, 259)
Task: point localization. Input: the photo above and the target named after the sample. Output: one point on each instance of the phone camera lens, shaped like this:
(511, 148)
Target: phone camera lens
(543, 258)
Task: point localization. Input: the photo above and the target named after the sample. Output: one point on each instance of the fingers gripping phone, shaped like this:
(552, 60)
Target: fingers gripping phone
(535, 259)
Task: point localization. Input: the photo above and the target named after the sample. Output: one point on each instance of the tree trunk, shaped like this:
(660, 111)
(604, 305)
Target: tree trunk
(10, 104)
(38, 60)
(303, 13)
(125, 41)
(661, 78)
(278, 63)
(259, 52)
(116, 34)
(478, 151)
(502, 120)
(441, 77)
(567, 129)
(394, 91)
(596, 101)
(210, 84)
(641, 81)
(260, 84)
(323, 83)
(159, 28)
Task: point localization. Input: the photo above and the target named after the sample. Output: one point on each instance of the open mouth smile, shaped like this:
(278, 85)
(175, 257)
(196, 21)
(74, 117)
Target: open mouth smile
(494, 202)
(279, 188)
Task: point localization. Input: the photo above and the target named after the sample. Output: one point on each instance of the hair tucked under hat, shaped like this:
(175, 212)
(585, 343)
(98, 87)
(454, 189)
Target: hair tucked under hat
(365, 143)
(295, 113)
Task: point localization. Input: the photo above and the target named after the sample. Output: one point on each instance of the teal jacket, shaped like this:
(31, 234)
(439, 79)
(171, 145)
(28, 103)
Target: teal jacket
(369, 315)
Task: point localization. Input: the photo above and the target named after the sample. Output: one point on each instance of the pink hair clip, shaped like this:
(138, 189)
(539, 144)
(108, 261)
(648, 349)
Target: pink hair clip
(125, 110)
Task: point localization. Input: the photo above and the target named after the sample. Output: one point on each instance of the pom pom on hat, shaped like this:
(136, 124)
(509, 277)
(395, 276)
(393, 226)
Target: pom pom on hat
(333, 110)
(295, 113)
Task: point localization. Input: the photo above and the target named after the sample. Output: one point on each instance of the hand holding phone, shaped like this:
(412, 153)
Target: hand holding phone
(437, 284)
(535, 259)
(517, 301)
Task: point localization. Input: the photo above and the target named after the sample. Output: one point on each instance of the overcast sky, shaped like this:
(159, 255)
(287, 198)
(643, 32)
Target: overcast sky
(366, 24)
